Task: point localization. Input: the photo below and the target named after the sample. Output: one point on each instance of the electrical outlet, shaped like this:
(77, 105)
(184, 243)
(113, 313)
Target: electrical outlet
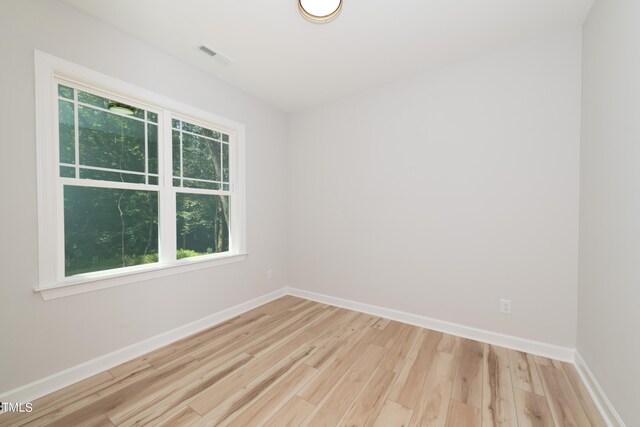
(505, 306)
(269, 274)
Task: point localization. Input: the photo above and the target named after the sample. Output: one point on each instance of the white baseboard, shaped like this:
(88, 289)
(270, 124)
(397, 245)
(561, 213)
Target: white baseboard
(42, 387)
(564, 354)
(57, 381)
(610, 415)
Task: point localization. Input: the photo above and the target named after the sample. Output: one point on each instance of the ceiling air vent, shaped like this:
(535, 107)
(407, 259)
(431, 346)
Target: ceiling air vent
(220, 59)
(207, 50)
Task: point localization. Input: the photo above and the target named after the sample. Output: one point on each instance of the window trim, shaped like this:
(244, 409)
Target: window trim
(49, 69)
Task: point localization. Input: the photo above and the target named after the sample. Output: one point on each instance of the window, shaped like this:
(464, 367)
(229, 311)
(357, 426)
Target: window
(200, 171)
(130, 185)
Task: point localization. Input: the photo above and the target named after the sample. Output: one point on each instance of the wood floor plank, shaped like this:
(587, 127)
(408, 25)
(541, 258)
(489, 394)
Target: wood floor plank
(532, 409)
(498, 405)
(128, 368)
(463, 415)
(250, 334)
(338, 324)
(381, 323)
(59, 399)
(218, 338)
(286, 319)
(387, 336)
(545, 361)
(467, 387)
(275, 339)
(230, 407)
(581, 392)
(229, 332)
(188, 388)
(267, 405)
(292, 414)
(565, 407)
(331, 409)
(96, 420)
(234, 345)
(182, 418)
(407, 388)
(339, 339)
(229, 391)
(55, 412)
(303, 302)
(400, 348)
(524, 372)
(137, 398)
(284, 303)
(246, 374)
(93, 409)
(433, 404)
(296, 362)
(449, 343)
(320, 386)
(393, 415)
(368, 403)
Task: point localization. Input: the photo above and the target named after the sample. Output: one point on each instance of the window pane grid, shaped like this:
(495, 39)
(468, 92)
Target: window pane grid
(66, 130)
(181, 160)
(107, 184)
(110, 184)
(148, 123)
(152, 148)
(106, 110)
(216, 153)
(146, 150)
(76, 132)
(65, 92)
(186, 132)
(96, 168)
(201, 175)
(199, 180)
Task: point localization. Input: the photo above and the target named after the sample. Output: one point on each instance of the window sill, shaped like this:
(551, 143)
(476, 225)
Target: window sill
(97, 281)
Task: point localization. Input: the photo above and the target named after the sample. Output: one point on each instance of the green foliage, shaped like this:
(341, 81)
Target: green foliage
(202, 223)
(108, 228)
(147, 259)
(116, 262)
(188, 253)
(111, 141)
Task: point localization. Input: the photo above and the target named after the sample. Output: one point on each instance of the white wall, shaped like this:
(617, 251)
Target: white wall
(440, 195)
(609, 278)
(40, 338)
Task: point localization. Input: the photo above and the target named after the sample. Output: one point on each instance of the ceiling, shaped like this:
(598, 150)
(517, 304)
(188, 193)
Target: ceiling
(291, 63)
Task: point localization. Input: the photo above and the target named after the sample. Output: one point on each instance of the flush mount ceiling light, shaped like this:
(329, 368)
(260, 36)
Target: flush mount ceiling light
(320, 10)
(119, 107)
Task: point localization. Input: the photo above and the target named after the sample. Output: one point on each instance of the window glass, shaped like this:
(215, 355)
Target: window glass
(199, 155)
(67, 131)
(109, 163)
(111, 141)
(202, 222)
(107, 228)
(107, 140)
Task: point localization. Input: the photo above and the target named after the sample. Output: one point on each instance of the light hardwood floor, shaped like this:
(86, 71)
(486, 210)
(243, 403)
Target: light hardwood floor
(295, 362)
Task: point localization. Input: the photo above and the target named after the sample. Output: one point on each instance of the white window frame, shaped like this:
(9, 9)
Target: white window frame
(49, 70)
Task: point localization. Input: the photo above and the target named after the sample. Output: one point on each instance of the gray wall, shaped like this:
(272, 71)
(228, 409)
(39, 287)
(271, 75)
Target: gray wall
(609, 278)
(40, 338)
(444, 193)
